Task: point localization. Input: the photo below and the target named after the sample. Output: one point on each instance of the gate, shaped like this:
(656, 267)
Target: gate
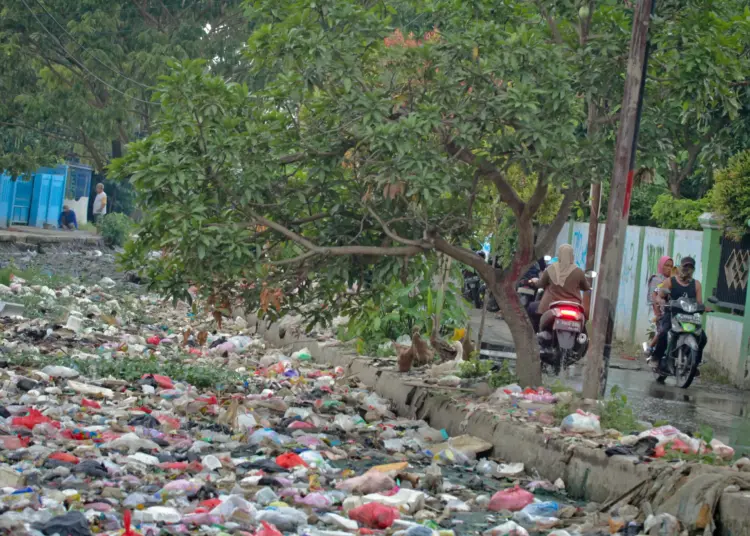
(731, 288)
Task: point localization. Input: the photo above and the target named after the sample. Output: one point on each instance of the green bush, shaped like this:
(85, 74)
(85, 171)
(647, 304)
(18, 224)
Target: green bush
(115, 228)
(731, 194)
(671, 213)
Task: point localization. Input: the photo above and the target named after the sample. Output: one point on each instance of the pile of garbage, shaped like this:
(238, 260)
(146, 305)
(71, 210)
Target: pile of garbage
(122, 415)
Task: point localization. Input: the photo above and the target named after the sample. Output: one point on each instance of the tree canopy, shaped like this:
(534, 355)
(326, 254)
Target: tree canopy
(78, 75)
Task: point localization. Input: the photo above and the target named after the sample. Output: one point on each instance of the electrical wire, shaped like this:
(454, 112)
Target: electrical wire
(80, 64)
(116, 71)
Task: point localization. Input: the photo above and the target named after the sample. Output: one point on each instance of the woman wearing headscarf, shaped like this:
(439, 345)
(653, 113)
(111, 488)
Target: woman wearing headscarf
(664, 272)
(562, 281)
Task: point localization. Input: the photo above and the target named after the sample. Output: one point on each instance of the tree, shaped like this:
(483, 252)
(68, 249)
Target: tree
(731, 194)
(360, 148)
(697, 91)
(78, 75)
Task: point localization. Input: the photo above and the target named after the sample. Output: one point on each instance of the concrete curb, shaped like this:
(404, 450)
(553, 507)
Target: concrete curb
(20, 238)
(588, 473)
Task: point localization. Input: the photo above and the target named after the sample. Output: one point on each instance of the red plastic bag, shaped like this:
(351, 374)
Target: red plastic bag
(267, 530)
(127, 520)
(32, 419)
(155, 340)
(86, 403)
(208, 399)
(374, 515)
(512, 499)
(289, 460)
(162, 381)
(210, 504)
(64, 457)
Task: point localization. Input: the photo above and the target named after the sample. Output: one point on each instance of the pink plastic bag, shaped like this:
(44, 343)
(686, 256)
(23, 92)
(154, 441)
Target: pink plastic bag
(512, 499)
(374, 515)
(371, 482)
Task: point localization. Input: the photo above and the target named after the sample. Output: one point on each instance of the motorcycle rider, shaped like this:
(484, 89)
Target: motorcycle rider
(562, 281)
(674, 288)
(655, 303)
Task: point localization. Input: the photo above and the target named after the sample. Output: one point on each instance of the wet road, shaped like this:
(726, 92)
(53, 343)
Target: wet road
(724, 409)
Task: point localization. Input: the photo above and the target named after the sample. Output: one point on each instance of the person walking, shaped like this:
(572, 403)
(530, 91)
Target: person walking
(100, 204)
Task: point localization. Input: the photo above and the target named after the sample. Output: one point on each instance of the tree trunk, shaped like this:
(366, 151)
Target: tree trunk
(480, 335)
(528, 364)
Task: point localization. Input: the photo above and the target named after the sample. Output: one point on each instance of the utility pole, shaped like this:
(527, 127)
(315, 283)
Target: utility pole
(608, 286)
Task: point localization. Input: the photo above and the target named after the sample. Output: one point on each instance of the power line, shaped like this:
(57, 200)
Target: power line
(87, 50)
(80, 64)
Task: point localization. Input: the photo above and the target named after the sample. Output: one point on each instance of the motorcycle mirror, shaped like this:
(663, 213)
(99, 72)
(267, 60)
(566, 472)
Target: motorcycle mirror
(591, 274)
(547, 258)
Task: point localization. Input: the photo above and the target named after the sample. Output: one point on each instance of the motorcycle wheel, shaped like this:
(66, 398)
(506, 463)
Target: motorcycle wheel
(686, 366)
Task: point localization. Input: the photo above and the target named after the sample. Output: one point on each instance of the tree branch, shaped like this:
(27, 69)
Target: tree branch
(537, 198)
(392, 234)
(489, 171)
(552, 23)
(338, 251)
(544, 244)
(465, 256)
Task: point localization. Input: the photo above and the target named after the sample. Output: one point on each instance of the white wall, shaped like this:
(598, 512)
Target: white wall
(80, 207)
(628, 287)
(724, 341)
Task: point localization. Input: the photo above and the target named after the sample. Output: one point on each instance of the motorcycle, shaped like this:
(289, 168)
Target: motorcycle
(472, 291)
(564, 341)
(526, 292)
(681, 356)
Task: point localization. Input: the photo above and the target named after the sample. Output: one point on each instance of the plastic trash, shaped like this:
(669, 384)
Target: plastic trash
(543, 509)
(302, 355)
(70, 524)
(509, 528)
(512, 499)
(371, 482)
(581, 422)
(662, 525)
(725, 452)
(283, 518)
(290, 460)
(374, 515)
(267, 529)
(407, 501)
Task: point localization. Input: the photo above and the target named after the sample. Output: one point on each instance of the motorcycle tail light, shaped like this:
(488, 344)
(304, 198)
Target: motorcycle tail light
(570, 314)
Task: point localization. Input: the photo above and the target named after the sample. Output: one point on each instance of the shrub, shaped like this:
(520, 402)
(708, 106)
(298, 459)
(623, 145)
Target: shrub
(115, 228)
(671, 213)
(731, 194)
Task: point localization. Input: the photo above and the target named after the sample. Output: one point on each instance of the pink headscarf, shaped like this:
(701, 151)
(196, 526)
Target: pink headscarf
(662, 262)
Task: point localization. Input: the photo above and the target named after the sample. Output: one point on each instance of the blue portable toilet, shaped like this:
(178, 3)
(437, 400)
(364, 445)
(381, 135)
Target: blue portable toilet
(36, 199)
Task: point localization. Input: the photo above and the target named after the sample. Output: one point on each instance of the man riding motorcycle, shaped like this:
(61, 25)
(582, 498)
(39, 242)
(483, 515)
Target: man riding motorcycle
(674, 288)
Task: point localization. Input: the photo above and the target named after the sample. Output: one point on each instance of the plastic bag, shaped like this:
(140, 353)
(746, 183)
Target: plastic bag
(725, 452)
(509, 528)
(267, 530)
(371, 482)
(581, 422)
(32, 419)
(374, 515)
(512, 499)
(289, 460)
(668, 434)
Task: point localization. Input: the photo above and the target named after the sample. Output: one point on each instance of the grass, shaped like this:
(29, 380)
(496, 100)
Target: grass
(615, 412)
(474, 368)
(712, 372)
(132, 369)
(33, 276)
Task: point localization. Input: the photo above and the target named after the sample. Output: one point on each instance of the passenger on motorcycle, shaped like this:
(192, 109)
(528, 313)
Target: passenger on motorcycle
(672, 289)
(562, 281)
(655, 303)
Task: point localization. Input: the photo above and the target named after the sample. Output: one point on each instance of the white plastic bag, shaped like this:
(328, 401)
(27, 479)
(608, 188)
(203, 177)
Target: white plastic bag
(581, 422)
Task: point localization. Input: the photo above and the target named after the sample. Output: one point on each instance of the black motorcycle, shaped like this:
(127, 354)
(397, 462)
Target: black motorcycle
(472, 290)
(681, 356)
(564, 341)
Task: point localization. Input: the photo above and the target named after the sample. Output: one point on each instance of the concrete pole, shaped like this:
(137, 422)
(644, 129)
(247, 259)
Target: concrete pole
(597, 359)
